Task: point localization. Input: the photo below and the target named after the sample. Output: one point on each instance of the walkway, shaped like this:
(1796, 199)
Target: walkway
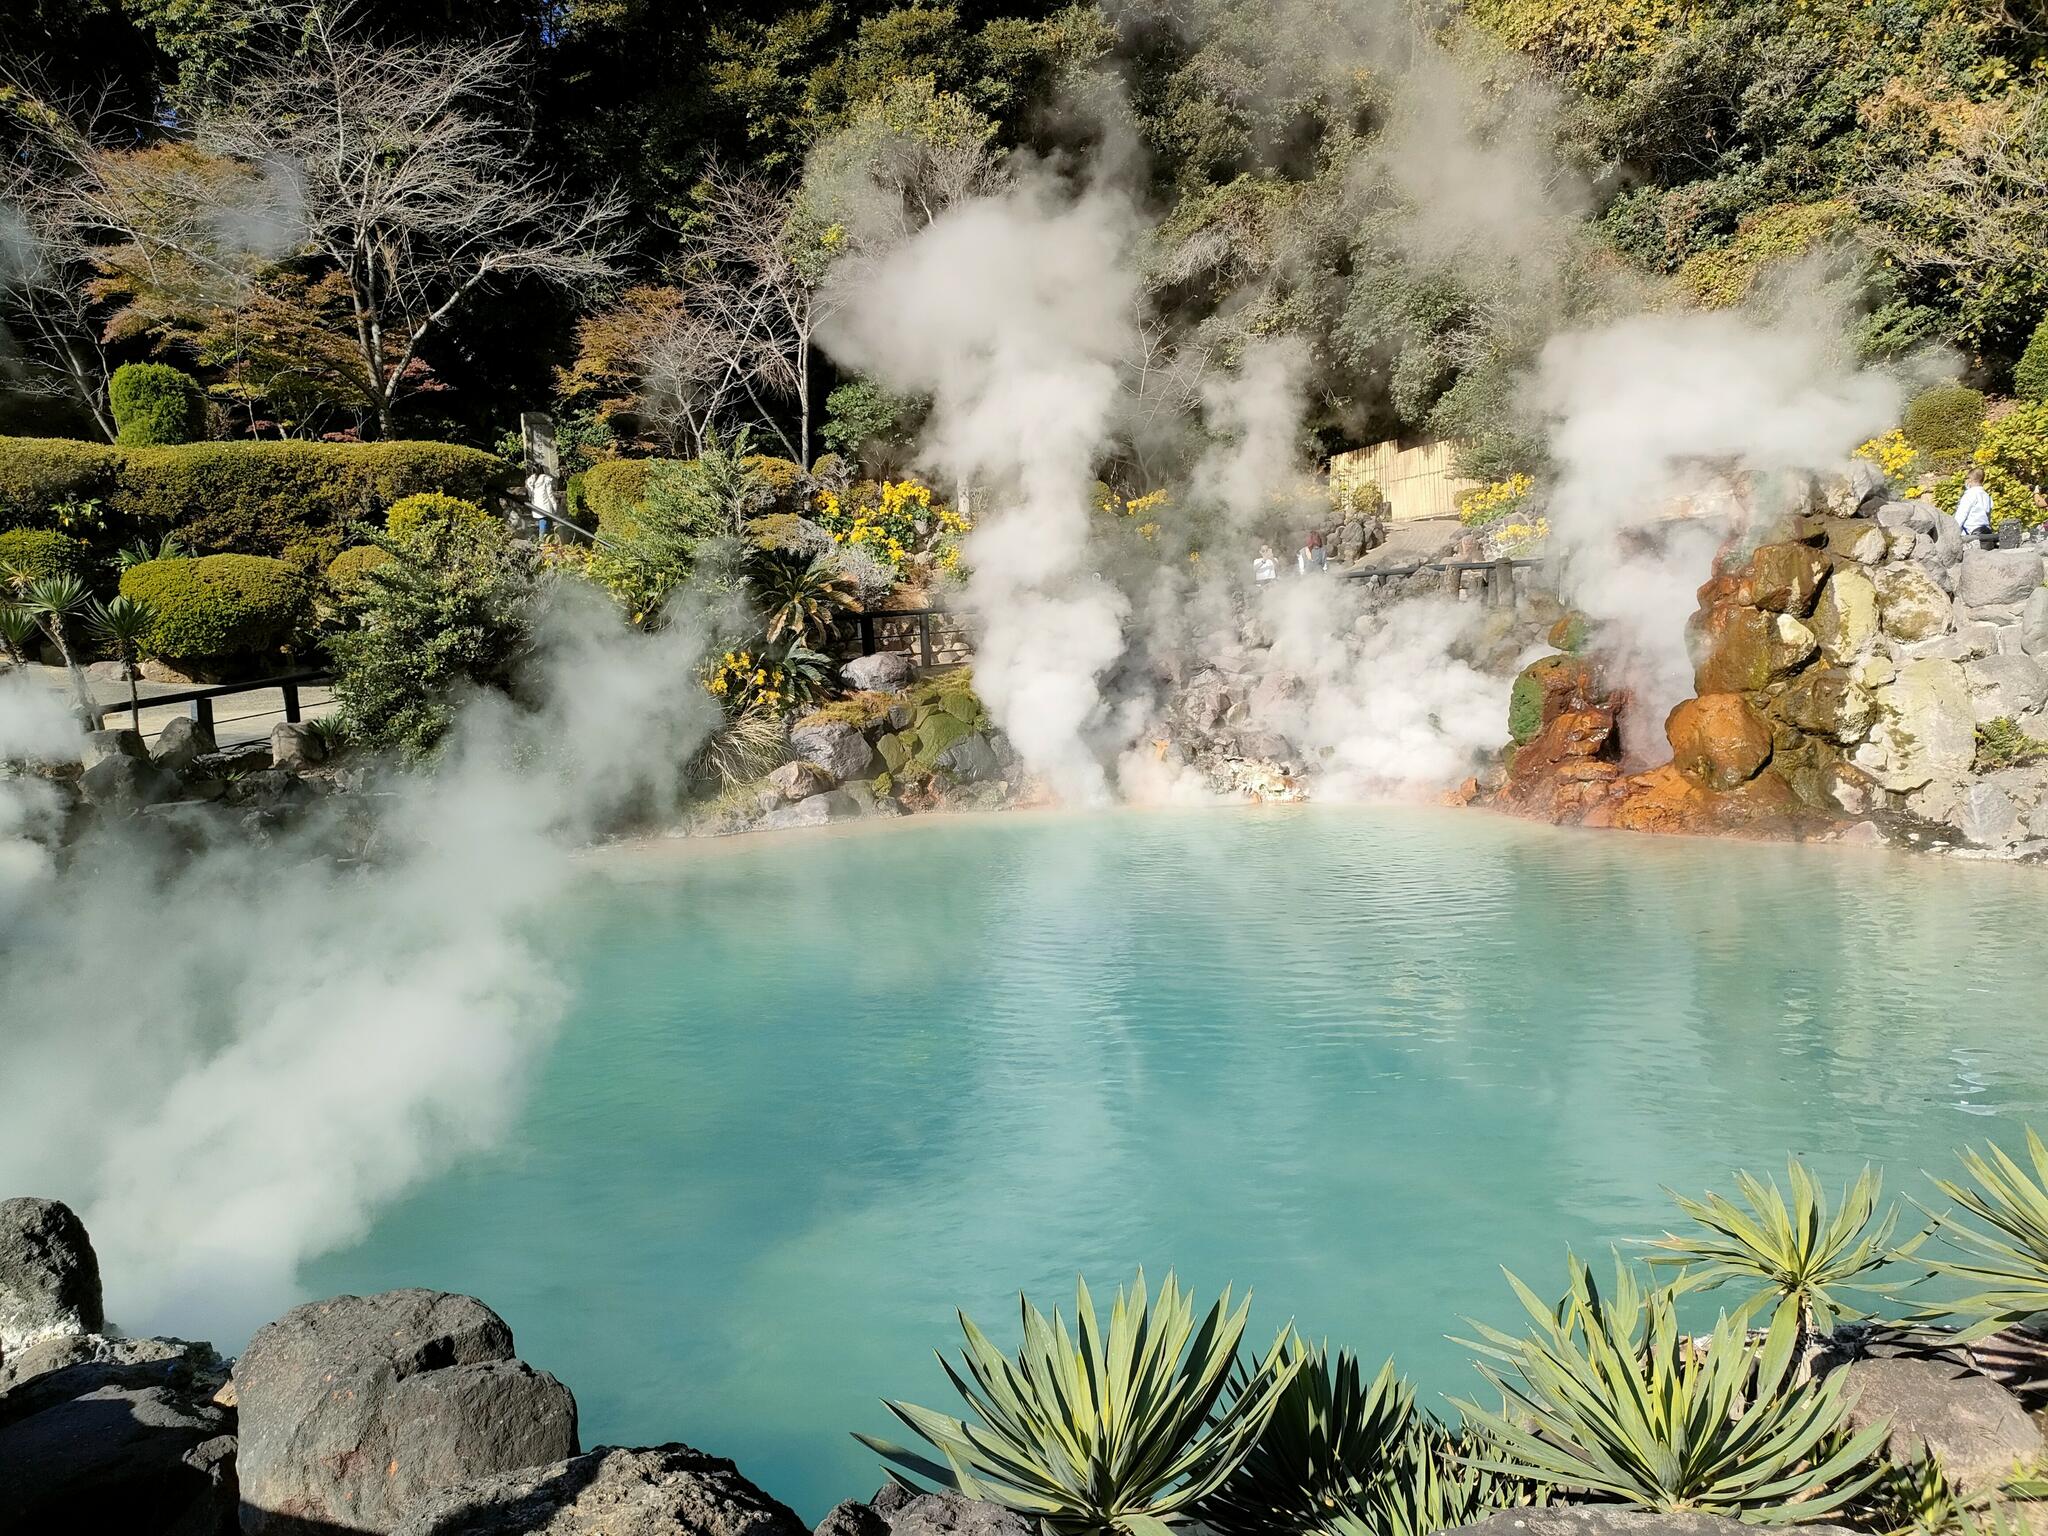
(237, 719)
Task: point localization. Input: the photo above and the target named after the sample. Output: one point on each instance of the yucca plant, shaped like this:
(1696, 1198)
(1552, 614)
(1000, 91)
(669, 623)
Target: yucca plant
(1332, 1437)
(1802, 1258)
(1918, 1497)
(121, 626)
(54, 602)
(1434, 1484)
(2008, 1265)
(18, 631)
(800, 600)
(1611, 1399)
(1128, 1431)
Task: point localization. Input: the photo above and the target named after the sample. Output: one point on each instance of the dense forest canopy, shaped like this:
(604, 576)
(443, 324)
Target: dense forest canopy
(666, 186)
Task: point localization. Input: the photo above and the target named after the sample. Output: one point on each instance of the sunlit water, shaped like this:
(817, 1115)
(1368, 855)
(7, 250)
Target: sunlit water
(818, 1091)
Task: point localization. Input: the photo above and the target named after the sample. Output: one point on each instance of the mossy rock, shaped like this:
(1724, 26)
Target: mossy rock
(883, 784)
(1525, 707)
(938, 731)
(963, 705)
(894, 751)
(1568, 634)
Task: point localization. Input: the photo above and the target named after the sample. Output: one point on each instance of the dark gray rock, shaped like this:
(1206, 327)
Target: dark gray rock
(883, 672)
(60, 1351)
(49, 1275)
(663, 1490)
(970, 760)
(117, 1447)
(900, 1511)
(1608, 1520)
(123, 783)
(355, 1407)
(1975, 1426)
(296, 744)
(101, 745)
(1991, 576)
(180, 743)
(842, 750)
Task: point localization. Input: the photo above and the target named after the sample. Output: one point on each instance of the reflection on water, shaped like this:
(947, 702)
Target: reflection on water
(819, 1091)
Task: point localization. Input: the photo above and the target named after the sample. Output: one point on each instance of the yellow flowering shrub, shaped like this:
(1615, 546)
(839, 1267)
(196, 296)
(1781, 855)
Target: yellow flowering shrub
(1490, 502)
(1514, 537)
(894, 521)
(741, 681)
(1891, 453)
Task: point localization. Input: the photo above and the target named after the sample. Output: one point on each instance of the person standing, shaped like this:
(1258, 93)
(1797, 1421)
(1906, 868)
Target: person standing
(1266, 568)
(1973, 511)
(1312, 556)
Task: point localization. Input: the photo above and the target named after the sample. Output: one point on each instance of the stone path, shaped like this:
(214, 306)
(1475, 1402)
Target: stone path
(239, 718)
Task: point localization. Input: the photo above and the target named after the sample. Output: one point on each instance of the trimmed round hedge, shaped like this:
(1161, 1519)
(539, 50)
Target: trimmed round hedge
(1944, 421)
(33, 553)
(217, 606)
(154, 404)
(351, 565)
(413, 513)
(612, 489)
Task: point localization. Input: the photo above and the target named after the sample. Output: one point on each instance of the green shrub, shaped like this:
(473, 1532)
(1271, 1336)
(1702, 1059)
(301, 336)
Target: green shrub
(154, 403)
(241, 498)
(1943, 422)
(409, 515)
(217, 607)
(2030, 376)
(2001, 743)
(349, 567)
(614, 488)
(2011, 498)
(33, 553)
(784, 478)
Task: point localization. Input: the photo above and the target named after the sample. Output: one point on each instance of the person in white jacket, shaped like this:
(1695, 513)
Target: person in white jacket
(1973, 511)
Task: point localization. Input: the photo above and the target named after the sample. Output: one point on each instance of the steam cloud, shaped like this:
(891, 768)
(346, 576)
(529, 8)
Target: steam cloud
(238, 1057)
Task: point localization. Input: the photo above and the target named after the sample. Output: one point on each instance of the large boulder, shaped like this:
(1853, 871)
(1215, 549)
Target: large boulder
(123, 783)
(2006, 687)
(2034, 624)
(1717, 740)
(1785, 578)
(296, 744)
(798, 780)
(842, 750)
(1828, 701)
(1987, 816)
(1977, 1429)
(49, 1274)
(180, 743)
(897, 1511)
(1845, 618)
(355, 1407)
(63, 1350)
(103, 744)
(1739, 649)
(1991, 577)
(665, 1490)
(139, 1447)
(883, 672)
(812, 811)
(1610, 1520)
(970, 760)
(1925, 729)
(1911, 604)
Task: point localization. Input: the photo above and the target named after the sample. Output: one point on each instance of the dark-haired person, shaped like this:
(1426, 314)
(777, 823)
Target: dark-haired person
(1312, 556)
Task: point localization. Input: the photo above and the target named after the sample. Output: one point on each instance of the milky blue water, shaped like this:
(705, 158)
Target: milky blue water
(817, 1091)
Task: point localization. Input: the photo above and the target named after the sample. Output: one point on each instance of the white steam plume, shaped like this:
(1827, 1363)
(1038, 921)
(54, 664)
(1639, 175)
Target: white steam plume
(238, 1056)
(1012, 313)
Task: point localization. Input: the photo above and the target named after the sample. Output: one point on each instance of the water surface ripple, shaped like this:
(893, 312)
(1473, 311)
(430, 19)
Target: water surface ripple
(818, 1091)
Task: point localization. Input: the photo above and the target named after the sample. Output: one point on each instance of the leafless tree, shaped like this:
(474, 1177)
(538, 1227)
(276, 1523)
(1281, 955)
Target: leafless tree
(47, 243)
(386, 162)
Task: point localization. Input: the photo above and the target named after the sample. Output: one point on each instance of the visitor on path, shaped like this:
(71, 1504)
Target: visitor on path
(1311, 556)
(1266, 568)
(1973, 511)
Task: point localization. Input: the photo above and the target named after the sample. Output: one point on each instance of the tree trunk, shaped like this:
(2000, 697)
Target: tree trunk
(88, 706)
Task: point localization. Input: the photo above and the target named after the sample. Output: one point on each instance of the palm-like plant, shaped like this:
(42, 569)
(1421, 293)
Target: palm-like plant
(142, 552)
(121, 626)
(18, 628)
(1801, 1257)
(1613, 1400)
(2008, 1265)
(800, 601)
(1432, 1485)
(1333, 1437)
(53, 602)
(1090, 1433)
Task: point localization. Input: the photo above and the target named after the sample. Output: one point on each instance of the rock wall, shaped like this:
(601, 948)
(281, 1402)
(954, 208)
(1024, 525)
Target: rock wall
(1842, 667)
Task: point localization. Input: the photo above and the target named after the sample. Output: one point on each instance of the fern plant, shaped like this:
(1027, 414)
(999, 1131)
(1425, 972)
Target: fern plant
(1088, 1432)
(1802, 1258)
(1609, 1398)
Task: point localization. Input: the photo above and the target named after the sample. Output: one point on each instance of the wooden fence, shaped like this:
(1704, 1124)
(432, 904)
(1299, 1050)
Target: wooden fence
(1417, 482)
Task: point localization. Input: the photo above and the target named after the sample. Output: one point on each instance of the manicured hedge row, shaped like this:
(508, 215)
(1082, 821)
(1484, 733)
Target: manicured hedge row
(611, 488)
(218, 608)
(246, 498)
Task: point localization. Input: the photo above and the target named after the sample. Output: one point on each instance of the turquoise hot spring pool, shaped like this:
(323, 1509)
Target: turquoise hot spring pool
(818, 1091)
